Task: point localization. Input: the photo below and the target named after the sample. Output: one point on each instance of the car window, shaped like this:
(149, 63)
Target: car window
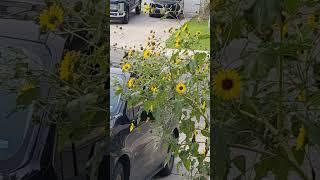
(13, 125)
(116, 79)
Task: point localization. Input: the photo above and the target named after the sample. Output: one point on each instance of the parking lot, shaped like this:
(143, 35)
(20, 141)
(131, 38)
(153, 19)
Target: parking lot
(136, 31)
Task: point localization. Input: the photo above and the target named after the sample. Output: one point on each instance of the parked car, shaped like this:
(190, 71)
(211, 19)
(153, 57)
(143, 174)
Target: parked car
(120, 9)
(135, 155)
(28, 148)
(173, 7)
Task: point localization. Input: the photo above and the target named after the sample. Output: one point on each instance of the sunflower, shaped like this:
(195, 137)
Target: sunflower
(131, 82)
(203, 106)
(178, 43)
(218, 29)
(126, 67)
(301, 138)
(146, 8)
(198, 33)
(132, 126)
(181, 88)
(67, 65)
(51, 18)
(146, 53)
(154, 88)
(312, 20)
(26, 87)
(178, 60)
(130, 53)
(227, 84)
(302, 95)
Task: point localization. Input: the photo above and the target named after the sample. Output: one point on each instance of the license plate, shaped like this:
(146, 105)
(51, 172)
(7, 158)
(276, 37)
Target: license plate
(114, 6)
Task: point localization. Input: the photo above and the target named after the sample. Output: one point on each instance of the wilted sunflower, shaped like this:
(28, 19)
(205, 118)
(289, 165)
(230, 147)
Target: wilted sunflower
(181, 88)
(227, 84)
(51, 18)
(126, 67)
(67, 65)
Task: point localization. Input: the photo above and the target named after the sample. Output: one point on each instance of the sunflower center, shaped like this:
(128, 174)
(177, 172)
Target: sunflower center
(227, 84)
(181, 88)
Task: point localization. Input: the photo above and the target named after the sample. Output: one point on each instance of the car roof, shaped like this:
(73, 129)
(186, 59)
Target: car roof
(118, 71)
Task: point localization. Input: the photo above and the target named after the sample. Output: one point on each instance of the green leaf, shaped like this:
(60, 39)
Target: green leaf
(264, 12)
(314, 100)
(174, 56)
(240, 163)
(277, 165)
(205, 133)
(194, 148)
(178, 105)
(299, 155)
(291, 5)
(185, 160)
(200, 56)
(221, 152)
(313, 131)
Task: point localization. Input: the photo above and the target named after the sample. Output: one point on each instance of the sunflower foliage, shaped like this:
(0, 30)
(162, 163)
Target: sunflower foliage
(265, 67)
(173, 87)
(77, 101)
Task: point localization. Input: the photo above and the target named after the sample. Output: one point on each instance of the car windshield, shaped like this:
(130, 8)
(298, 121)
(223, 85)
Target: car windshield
(116, 80)
(14, 122)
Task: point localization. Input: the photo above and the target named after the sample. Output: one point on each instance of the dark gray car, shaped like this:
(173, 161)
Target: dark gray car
(173, 8)
(120, 9)
(135, 155)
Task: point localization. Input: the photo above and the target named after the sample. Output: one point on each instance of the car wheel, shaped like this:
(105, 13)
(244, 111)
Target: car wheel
(126, 17)
(138, 9)
(119, 172)
(166, 171)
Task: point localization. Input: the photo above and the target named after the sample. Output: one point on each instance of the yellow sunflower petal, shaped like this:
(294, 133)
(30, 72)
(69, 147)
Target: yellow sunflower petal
(300, 139)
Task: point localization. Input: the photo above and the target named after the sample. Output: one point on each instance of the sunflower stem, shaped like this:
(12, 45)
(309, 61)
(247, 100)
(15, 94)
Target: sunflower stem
(280, 118)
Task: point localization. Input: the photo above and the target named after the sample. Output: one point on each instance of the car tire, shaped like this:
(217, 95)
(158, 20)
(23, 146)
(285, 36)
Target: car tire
(138, 9)
(118, 173)
(126, 17)
(167, 169)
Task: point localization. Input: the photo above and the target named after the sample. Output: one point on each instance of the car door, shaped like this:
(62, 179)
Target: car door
(144, 147)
